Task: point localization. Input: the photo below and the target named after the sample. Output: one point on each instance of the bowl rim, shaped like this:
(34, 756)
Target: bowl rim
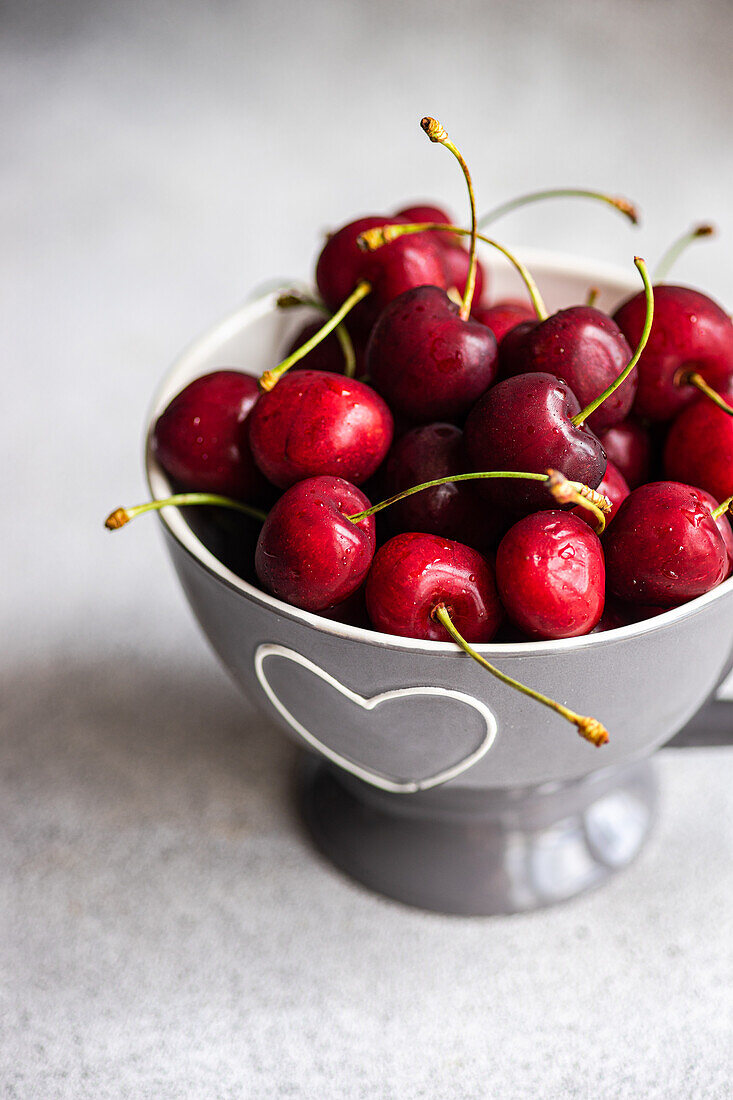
(175, 525)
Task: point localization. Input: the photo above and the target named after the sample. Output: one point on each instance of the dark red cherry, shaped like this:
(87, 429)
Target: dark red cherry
(612, 486)
(723, 524)
(699, 447)
(308, 553)
(584, 348)
(328, 355)
(551, 576)
(315, 423)
(629, 447)
(525, 423)
(690, 332)
(455, 255)
(425, 360)
(409, 261)
(664, 547)
(504, 316)
(453, 510)
(202, 438)
(413, 573)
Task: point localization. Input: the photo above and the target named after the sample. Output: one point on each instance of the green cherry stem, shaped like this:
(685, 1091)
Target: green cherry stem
(271, 377)
(583, 415)
(583, 490)
(372, 239)
(724, 506)
(617, 202)
(670, 257)
(290, 298)
(685, 377)
(437, 134)
(121, 516)
(589, 728)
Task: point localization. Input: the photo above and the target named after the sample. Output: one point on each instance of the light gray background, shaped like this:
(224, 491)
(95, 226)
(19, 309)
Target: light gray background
(165, 929)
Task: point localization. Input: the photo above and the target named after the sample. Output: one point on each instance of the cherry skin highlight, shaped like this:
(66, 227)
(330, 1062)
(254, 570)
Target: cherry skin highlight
(613, 486)
(504, 316)
(525, 423)
(455, 255)
(664, 547)
(425, 360)
(699, 447)
(551, 576)
(308, 553)
(629, 447)
(690, 331)
(202, 439)
(586, 349)
(414, 572)
(314, 423)
(409, 261)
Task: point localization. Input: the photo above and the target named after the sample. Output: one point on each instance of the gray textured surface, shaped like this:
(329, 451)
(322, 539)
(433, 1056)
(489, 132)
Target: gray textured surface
(165, 931)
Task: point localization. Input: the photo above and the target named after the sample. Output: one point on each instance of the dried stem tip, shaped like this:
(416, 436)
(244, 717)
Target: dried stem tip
(117, 519)
(592, 730)
(704, 231)
(565, 492)
(626, 208)
(433, 129)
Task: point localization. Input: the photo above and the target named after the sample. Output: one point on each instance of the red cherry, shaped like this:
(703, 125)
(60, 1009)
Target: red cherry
(664, 547)
(587, 350)
(699, 447)
(629, 447)
(202, 438)
(315, 423)
(503, 316)
(327, 356)
(613, 485)
(409, 261)
(413, 573)
(551, 576)
(454, 254)
(690, 332)
(425, 360)
(309, 553)
(525, 423)
(723, 524)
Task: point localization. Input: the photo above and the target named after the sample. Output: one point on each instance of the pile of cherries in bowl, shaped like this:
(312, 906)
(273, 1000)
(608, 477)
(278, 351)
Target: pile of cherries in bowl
(579, 466)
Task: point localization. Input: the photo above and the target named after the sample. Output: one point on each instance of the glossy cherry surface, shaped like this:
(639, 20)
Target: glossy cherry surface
(425, 360)
(314, 423)
(699, 447)
(584, 348)
(524, 423)
(328, 355)
(551, 576)
(613, 485)
(414, 572)
(690, 331)
(629, 447)
(723, 525)
(503, 316)
(409, 261)
(308, 552)
(202, 439)
(664, 547)
(456, 260)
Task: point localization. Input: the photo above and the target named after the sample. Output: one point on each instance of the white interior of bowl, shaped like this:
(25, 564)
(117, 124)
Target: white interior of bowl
(563, 280)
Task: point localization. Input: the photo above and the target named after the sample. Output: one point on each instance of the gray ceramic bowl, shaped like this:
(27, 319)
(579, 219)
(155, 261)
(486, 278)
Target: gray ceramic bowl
(429, 780)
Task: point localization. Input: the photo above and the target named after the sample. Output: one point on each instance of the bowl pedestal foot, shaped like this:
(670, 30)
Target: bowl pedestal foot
(481, 852)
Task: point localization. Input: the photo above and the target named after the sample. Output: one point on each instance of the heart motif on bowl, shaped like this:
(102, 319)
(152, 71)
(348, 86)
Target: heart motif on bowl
(443, 767)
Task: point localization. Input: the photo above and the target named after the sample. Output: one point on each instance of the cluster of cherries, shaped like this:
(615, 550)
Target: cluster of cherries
(516, 450)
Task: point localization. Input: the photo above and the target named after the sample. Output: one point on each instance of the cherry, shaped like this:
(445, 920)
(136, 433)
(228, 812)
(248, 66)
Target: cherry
(664, 546)
(456, 259)
(629, 447)
(451, 510)
(691, 333)
(586, 349)
(202, 438)
(328, 355)
(309, 552)
(721, 518)
(551, 575)
(414, 572)
(526, 423)
(399, 266)
(613, 486)
(699, 447)
(504, 316)
(314, 423)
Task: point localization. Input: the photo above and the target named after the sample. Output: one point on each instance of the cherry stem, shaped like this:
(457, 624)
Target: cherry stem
(565, 492)
(616, 201)
(437, 134)
(670, 257)
(589, 728)
(121, 516)
(583, 415)
(584, 490)
(685, 377)
(592, 296)
(372, 239)
(271, 377)
(723, 507)
(290, 298)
